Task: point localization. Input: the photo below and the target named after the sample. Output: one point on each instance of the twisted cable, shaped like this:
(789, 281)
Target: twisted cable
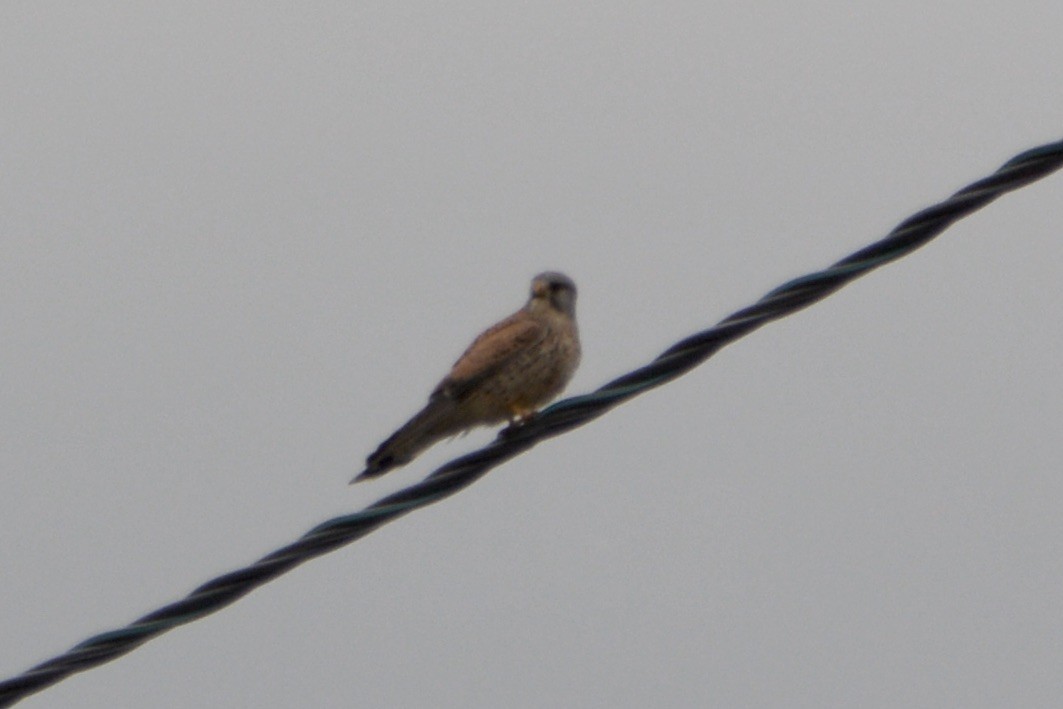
(565, 415)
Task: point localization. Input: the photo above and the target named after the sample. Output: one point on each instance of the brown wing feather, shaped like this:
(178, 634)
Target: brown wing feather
(489, 353)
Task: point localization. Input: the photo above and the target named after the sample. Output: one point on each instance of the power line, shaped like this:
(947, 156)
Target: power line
(795, 295)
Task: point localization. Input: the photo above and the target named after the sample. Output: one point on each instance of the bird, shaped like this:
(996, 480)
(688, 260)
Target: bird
(511, 369)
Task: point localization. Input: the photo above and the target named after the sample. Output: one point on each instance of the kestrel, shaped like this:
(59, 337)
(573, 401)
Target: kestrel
(509, 371)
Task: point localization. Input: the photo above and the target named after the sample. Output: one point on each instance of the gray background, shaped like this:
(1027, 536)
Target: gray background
(240, 244)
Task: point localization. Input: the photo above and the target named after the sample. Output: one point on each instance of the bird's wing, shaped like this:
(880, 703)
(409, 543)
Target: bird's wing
(490, 352)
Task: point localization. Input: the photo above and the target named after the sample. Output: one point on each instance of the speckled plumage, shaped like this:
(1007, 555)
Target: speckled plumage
(509, 371)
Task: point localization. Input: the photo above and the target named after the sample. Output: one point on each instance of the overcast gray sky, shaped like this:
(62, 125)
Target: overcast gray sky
(240, 244)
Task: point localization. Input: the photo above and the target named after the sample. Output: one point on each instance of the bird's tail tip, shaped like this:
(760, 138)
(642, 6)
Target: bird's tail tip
(368, 474)
(402, 446)
(374, 468)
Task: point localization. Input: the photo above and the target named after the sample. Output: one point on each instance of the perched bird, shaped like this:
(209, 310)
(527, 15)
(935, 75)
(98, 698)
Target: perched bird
(506, 374)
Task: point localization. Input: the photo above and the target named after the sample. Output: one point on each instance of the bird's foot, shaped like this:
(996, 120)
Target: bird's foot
(516, 422)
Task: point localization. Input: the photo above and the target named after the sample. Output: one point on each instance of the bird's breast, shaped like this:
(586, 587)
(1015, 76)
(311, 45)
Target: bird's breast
(530, 379)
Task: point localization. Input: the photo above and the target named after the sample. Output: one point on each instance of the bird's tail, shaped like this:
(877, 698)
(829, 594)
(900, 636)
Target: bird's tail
(424, 429)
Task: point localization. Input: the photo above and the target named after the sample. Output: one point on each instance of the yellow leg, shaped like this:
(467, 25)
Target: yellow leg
(519, 414)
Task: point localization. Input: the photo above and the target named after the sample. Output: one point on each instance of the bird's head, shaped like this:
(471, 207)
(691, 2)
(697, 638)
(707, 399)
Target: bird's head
(553, 291)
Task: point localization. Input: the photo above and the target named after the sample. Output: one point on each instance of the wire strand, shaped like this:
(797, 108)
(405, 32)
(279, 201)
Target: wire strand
(563, 416)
